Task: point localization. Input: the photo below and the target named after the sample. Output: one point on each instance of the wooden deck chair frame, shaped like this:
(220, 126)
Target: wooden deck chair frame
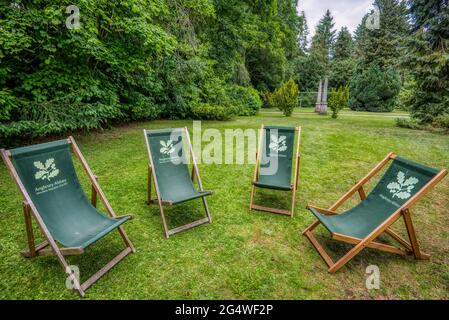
(294, 185)
(407, 248)
(42, 249)
(152, 178)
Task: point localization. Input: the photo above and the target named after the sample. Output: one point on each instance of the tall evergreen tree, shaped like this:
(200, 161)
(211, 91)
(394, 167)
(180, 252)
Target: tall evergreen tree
(303, 34)
(344, 45)
(290, 23)
(316, 65)
(323, 39)
(253, 41)
(427, 60)
(343, 62)
(383, 45)
(378, 51)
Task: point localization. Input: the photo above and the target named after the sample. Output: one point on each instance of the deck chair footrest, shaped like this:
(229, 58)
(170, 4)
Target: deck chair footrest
(188, 226)
(272, 210)
(27, 254)
(49, 252)
(105, 269)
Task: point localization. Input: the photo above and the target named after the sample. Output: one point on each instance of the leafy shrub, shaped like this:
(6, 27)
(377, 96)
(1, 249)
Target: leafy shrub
(441, 124)
(341, 72)
(266, 98)
(408, 123)
(307, 99)
(220, 101)
(286, 97)
(441, 121)
(430, 108)
(41, 119)
(406, 95)
(338, 100)
(374, 90)
(54, 80)
(7, 104)
(135, 60)
(246, 99)
(205, 111)
(142, 107)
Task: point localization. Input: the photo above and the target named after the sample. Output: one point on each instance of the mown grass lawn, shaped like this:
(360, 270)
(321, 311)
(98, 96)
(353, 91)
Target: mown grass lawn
(242, 254)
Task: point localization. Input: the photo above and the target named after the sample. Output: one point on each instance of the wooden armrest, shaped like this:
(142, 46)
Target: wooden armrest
(125, 215)
(323, 211)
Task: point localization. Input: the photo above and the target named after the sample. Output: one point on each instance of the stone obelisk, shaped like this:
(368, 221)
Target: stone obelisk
(318, 97)
(323, 109)
(321, 100)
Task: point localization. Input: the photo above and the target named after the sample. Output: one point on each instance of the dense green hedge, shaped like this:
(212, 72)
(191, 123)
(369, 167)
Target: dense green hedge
(374, 89)
(137, 60)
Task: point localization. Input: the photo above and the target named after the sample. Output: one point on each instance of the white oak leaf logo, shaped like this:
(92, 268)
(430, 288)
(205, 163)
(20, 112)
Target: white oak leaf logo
(402, 188)
(278, 144)
(46, 171)
(167, 147)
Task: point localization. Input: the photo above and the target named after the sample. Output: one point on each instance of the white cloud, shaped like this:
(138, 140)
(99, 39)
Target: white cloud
(347, 13)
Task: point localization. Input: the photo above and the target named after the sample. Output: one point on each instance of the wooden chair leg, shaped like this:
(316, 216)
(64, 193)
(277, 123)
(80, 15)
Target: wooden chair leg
(84, 286)
(345, 259)
(297, 172)
(94, 195)
(76, 283)
(399, 239)
(361, 244)
(193, 174)
(149, 184)
(412, 236)
(251, 199)
(67, 270)
(284, 212)
(49, 242)
(333, 266)
(373, 244)
(125, 238)
(319, 248)
(164, 221)
(206, 208)
(362, 193)
(293, 201)
(41, 246)
(311, 227)
(29, 230)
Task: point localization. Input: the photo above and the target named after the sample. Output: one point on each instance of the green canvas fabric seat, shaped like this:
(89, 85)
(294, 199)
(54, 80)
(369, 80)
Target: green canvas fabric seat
(274, 164)
(49, 177)
(400, 182)
(54, 199)
(277, 146)
(170, 172)
(403, 184)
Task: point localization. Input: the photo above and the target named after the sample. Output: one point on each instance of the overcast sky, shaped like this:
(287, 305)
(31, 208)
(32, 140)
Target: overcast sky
(345, 12)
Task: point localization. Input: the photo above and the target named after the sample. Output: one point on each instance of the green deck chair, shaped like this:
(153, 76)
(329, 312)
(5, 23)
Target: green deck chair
(52, 194)
(404, 183)
(169, 170)
(274, 164)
